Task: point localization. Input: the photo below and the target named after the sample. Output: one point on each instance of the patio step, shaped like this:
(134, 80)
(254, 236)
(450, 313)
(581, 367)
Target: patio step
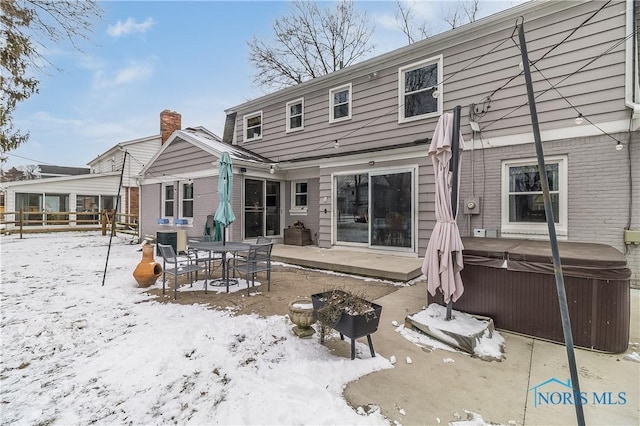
(369, 263)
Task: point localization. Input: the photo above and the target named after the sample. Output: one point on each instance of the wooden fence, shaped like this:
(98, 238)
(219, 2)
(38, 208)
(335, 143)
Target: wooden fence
(34, 222)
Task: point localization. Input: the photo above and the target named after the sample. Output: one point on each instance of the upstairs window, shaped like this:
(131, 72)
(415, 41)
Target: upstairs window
(295, 115)
(420, 90)
(253, 126)
(340, 103)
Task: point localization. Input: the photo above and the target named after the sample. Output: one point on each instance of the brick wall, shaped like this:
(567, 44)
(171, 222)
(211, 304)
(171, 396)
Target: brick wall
(602, 186)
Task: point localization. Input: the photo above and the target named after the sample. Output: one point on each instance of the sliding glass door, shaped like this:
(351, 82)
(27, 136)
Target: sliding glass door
(391, 209)
(261, 208)
(375, 209)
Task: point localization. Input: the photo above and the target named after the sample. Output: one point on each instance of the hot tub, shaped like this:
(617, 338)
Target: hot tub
(513, 282)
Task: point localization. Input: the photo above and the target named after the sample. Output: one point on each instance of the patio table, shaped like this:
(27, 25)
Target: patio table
(223, 249)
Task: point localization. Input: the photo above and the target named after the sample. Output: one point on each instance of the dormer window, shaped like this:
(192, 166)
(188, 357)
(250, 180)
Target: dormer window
(253, 126)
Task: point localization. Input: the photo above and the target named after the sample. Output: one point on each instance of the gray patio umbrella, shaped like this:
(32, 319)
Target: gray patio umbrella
(443, 259)
(224, 214)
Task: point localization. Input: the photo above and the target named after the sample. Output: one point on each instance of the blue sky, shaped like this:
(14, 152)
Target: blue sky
(147, 56)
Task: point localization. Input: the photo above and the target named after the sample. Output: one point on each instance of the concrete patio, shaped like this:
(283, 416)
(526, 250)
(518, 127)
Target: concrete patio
(368, 263)
(438, 386)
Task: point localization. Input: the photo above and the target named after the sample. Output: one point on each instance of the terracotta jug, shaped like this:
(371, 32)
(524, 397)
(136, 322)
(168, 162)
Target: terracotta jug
(148, 270)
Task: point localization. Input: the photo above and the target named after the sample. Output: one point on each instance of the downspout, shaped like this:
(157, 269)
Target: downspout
(631, 88)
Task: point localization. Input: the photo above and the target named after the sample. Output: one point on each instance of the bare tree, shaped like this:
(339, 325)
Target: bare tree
(27, 28)
(310, 42)
(406, 23)
(31, 171)
(462, 12)
(455, 15)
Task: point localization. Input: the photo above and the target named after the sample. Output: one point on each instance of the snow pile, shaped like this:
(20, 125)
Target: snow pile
(463, 331)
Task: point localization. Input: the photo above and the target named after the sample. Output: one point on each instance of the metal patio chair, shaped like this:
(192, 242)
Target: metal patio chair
(258, 259)
(179, 265)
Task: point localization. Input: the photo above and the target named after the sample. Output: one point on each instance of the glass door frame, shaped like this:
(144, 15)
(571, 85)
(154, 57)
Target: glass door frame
(263, 207)
(413, 170)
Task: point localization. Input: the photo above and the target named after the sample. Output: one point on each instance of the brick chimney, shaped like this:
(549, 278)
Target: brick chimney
(170, 121)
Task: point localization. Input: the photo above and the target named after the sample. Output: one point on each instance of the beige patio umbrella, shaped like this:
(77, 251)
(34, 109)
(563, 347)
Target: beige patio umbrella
(443, 259)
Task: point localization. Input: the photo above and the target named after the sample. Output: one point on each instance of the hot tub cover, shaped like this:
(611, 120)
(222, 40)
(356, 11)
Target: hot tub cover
(583, 260)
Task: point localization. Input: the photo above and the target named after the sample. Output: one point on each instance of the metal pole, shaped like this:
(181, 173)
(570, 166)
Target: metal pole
(548, 209)
(113, 220)
(453, 168)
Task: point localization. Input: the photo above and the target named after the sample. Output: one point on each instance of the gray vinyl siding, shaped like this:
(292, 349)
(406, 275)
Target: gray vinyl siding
(180, 157)
(597, 91)
(324, 232)
(150, 205)
(314, 210)
(205, 202)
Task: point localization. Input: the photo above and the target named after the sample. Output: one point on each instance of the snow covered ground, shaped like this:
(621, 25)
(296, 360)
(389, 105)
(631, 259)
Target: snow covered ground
(77, 352)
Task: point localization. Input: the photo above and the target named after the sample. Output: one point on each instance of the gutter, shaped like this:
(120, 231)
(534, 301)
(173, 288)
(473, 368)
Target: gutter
(631, 66)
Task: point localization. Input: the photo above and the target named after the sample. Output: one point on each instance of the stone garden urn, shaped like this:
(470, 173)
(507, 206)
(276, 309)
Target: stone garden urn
(303, 315)
(148, 270)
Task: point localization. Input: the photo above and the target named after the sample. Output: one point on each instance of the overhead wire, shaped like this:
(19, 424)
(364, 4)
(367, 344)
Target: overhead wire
(401, 105)
(574, 107)
(609, 49)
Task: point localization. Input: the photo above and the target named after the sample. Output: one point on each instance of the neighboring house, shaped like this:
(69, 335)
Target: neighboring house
(94, 189)
(346, 153)
(47, 171)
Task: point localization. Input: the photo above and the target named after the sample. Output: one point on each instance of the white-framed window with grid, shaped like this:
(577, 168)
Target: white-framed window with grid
(186, 210)
(523, 210)
(299, 197)
(295, 115)
(252, 126)
(340, 103)
(420, 90)
(168, 200)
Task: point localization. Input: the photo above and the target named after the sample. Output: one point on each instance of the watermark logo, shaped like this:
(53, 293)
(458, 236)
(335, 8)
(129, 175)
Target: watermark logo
(557, 392)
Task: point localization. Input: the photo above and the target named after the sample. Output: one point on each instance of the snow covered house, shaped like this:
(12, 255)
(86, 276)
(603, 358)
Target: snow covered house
(346, 153)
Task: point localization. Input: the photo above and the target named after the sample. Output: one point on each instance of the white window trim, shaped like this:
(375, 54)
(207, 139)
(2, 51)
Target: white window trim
(439, 87)
(245, 119)
(181, 200)
(298, 210)
(536, 230)
(331, 104)
(164, 199)
(288, 114)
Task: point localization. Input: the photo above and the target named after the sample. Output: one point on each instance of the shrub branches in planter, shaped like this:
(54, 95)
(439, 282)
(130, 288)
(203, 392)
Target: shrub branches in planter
(349, 314)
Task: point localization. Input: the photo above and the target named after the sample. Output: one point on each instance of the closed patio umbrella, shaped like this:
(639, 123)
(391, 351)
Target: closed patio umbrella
(224, 213)
(443, 259)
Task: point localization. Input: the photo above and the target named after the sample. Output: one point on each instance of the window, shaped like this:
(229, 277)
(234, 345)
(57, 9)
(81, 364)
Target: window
(30, 203)
(108, 202)
(253, 126)
(295, 115)
(522, 198)
(87, 203)
(340, 103)
(168, 197)
(420, 90)
(87, 208)
(187, 200)
(299, 197)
